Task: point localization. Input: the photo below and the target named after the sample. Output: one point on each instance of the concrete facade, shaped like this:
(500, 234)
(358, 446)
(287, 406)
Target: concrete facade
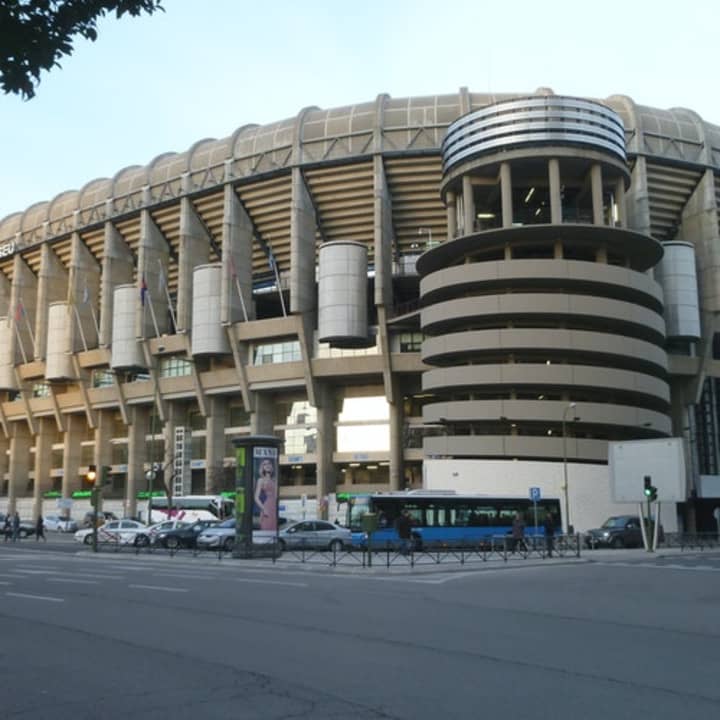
(512, 245)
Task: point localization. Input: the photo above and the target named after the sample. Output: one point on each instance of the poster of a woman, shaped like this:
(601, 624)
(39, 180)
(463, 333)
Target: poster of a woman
(266, 490)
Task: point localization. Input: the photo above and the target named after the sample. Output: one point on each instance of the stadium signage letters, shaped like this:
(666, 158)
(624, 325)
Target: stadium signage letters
(7, 248)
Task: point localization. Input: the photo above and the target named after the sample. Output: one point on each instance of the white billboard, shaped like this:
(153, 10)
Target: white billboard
(662, 460)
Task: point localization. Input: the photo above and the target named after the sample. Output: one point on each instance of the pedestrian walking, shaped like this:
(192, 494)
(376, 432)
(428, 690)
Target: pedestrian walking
(517, 534)
(7, 528)
(404, 531)
(40, 529)
(549, 526)
(16, 527)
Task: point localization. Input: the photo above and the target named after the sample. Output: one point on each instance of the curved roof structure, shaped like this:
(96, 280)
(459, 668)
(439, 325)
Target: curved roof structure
(384, 125)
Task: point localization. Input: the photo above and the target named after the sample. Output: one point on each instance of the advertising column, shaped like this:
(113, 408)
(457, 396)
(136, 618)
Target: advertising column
(256, 493)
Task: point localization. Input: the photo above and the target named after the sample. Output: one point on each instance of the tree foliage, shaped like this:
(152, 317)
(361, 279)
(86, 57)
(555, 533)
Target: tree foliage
(35, 34)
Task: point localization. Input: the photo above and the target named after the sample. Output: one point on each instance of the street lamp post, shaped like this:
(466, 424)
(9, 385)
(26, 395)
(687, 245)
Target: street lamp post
(568, 526)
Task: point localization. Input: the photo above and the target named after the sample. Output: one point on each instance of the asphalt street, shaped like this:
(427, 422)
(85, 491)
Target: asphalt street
(618, 633)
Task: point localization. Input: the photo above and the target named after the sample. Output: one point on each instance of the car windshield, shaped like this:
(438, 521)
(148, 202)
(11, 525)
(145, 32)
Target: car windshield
(227, 523)
(615, 522)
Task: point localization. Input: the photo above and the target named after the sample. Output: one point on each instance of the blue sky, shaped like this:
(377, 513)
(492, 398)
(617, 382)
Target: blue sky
(202, 69)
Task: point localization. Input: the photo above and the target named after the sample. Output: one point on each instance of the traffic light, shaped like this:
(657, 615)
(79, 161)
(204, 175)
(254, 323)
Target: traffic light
(91, 475)
(649, 490)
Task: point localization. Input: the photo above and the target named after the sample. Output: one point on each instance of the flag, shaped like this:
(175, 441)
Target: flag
(143, 291)
(233, 269)
(19, 310)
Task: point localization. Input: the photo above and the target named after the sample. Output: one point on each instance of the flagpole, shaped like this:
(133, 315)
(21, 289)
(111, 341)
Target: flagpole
(27, 325)
(20, 342)
(80, 327)
(152, 313)
(163, 280)
(233, 271)
(273, 265)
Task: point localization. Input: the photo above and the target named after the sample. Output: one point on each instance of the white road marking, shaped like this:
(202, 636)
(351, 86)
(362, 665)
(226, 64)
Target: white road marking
(73, 581)
(159, 587)
(268, 582)
(35, 597)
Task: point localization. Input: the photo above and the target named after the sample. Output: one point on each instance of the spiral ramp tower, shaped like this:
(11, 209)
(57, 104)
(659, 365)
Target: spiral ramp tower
(543, 322)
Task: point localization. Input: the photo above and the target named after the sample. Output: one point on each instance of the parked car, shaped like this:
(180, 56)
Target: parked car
(103, 517)
(59, 523)
(26, 529)
(221, 535)
(619, 531)
(318, 534)
(122, 532)
(185, 535)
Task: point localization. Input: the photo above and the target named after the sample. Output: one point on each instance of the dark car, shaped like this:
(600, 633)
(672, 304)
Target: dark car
(26, 529)
(183, 537)
(619, 531)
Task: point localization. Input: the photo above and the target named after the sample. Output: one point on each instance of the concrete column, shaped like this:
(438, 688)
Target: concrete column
(52, 287)
(138, 455)
(75, 433)
(216, 422)
(700, 226)
(383, 235)
(261, 420)
(117, 269)
(326, 472)
(103, 433)
(597, 194)
(47, 432)
(506, 194)
(19, 465)
(83, 290)
(153, 261)
(237, 260)
(555, 197)
(24, 303)
(451, 216)
(620, 202)
(194, 251)
(302, 246)
(397, 420)
(468, 206)
(637, 198)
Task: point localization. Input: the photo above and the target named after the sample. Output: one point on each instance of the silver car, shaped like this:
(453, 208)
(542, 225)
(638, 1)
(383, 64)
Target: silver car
(218, 536)
(316, 534)
(59, 523)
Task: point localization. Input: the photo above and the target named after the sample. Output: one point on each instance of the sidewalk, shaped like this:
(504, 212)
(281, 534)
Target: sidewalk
(424, 564)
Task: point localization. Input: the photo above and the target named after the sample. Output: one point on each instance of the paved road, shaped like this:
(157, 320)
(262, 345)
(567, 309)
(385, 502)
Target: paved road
(626, 635)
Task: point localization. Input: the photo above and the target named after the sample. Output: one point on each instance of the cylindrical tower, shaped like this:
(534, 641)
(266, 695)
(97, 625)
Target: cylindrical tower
(58, 365)
(542, 301)
(208, 335)
(342, 294)
(677, 275)
(126, 351)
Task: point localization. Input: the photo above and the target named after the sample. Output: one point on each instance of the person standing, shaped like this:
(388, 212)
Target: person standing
(16, 527)
(518, 532)
(40, 529)
(404, 531)
(549, 526)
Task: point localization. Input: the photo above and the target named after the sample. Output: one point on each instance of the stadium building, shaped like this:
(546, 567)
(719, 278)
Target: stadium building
(464, 290)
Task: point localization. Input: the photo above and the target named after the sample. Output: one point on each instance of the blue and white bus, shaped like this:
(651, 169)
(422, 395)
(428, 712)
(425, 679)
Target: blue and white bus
(445, 517)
